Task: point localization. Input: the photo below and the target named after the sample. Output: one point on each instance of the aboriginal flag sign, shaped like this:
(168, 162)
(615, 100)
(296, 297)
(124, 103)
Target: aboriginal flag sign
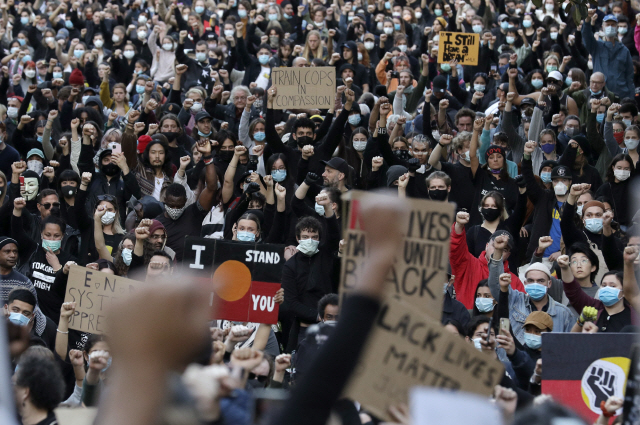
(244, 277)
(581, 370)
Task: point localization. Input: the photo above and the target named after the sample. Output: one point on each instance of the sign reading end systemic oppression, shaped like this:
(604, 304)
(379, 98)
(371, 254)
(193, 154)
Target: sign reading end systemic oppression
(94, 292)
(310, 88)
(244, 277)
(463, 47)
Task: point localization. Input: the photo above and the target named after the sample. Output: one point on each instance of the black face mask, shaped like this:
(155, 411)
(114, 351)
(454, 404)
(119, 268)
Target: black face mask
(303, 141)
(68, 191)
(490, 214)
(110, 169)
(225, 156)
(170, 135)
(402, 154)
(438, 194)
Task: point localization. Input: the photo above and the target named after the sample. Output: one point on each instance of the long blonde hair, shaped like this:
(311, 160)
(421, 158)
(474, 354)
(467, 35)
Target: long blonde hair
(307, 52)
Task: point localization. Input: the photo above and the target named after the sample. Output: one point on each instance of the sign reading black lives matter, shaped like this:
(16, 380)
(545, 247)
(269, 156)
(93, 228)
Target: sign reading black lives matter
(408, 345)
(306, 88)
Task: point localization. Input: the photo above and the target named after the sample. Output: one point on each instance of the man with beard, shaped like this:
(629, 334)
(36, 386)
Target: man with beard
(180, 219)
(151, 238)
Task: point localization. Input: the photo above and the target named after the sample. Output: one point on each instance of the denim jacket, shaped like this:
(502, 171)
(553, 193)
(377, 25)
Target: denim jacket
(520, 307)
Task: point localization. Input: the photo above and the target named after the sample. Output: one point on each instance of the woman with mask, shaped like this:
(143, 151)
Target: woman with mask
(517, 44)
(163, 58)
(494, 218)
(482, 85)
(45, 257)
(119, 255)
(534, 81)
(616, 187)
(484, 302)
(354, 152)
(178, 141)
(123, 64)
(224, 147)
(252, 134)
(619, 142)
(613, 312)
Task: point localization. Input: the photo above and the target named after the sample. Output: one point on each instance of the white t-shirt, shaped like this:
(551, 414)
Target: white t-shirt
(263, 79)
(158, 187)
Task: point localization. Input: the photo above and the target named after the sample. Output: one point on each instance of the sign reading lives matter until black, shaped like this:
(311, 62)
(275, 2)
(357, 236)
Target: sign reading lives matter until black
(244, 277)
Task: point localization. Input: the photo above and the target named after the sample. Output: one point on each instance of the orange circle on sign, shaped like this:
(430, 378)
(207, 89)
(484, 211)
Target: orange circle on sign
(232, 280)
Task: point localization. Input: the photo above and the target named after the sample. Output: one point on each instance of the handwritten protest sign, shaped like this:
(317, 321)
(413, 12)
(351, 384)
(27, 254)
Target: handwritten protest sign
(408, 348)
(94, 292)
(243, 277)
(463, 47)
(306, 88)
(420, 268)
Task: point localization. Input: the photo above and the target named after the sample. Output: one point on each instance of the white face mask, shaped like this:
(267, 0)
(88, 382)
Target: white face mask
(229, 33)
(129, 54)
(359, 145)
(99, 43)
(560, 189)
(108, 218)
(12, 112)
(622, 175)
(30, 73)
(308, 246)
(388, 30)
(49, 40)
(369, 45)
(167, 46)
(35, 165)
(142, 35)
(115, 38)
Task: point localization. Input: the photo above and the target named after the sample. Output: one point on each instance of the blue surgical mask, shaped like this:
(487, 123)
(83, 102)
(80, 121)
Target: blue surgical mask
(19, 319)
(551, 68)
(273, 16)
(504, 24)
(609, 295)
(396, 27)
(126, 256)
(546, 176)
(57, 74)
(438, 12)
(568, 81)
(107, 366)
(259, 136)
(139, 89)
(537, 83)
(579, 210)
(39, 138)
(51, 245)
(600, 117)
(626, 121)
(354, 119)
(279, 175)
(595, 93)
(241, 13)
(26, 59)
(264, 59)
(22, 41)
(387, 5)
(510, 39)
(479, 87)
(594, 225)
(201, 56)
(526, 23)
(68, 24)
(78, 53)
(24, 20)
(308, 246)
(533, 341)
(477, 29)
(445, 67)
(484, 305)
(536, 291)
(201, 134)
(199, 9)
(611, 31)
(319, 209)
(246, 236)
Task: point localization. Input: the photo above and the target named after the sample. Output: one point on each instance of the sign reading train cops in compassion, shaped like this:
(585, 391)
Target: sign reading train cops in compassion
(407, 349)
(420, 268)
(307, 88)
(244, 277)
(463, 47)
(94, 292)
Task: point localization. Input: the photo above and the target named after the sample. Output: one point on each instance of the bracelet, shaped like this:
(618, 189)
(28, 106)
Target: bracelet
(208, 160)
(58, 330)
(605, 412)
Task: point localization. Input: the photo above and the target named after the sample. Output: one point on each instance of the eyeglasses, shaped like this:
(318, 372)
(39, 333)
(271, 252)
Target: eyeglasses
(48, 205)
(582, 262)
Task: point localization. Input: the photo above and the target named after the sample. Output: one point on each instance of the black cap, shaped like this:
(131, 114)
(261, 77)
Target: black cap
(202, 115)
(528, 101)
(548, 163)
(338, 164)
(91, 89)
(172, 108)
(561, 172)
(439, 84)
(104, 153)
(503, 232)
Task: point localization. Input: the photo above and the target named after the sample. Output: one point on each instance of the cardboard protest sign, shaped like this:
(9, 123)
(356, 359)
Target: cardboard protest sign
(244, 277)
(631, 407)
(463, 47)
(406, 349)
(581, 370)
(76, 416)
(94, 292)
(304, 88)
(433, 406)
(420, 268)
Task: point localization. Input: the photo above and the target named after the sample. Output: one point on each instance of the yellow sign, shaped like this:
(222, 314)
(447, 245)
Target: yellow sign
(463, 47)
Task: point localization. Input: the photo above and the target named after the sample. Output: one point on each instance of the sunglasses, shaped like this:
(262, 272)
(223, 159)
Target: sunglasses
(108, 198)
(48, 205)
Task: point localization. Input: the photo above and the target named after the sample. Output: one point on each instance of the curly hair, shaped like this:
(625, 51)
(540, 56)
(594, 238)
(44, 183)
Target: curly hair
(42, 376)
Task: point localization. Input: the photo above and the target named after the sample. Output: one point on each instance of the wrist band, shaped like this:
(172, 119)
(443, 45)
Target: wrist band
(207, 160)
(382, 130)
(605, 412)
(58, 330)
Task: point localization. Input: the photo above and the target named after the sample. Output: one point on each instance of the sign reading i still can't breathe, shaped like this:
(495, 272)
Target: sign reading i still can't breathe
(244, 277)
(306, 88)
(463, 47)
(94, 292)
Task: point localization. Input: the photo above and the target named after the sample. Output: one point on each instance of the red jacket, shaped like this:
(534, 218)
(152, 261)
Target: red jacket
(470, 270)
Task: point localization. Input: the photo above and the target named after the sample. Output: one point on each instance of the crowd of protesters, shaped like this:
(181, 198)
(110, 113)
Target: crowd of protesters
(126, 127)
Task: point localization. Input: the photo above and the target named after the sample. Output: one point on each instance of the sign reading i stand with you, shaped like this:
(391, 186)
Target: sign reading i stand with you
(306, 88)
(94, 292)
(244, 277)
(408, 346)
(463, 47)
